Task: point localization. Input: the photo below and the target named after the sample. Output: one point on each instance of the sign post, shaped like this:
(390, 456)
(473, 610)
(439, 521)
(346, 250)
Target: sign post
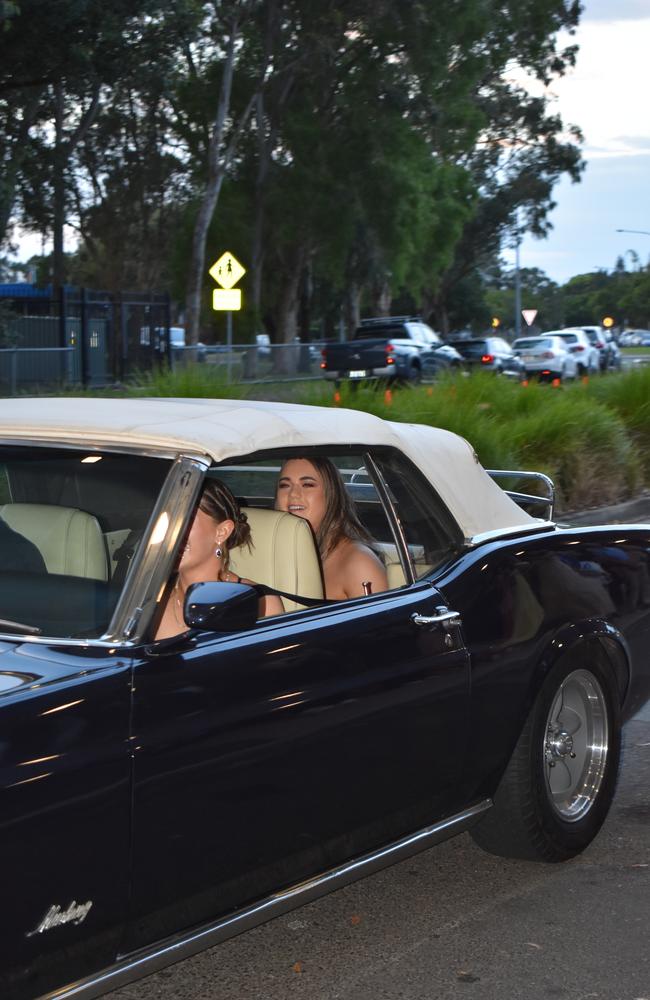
(226, 272)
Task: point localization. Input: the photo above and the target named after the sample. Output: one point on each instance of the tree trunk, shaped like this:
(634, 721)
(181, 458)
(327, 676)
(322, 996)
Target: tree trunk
(352, 308)
(381, 296)
(257, 248)
(219, 159)
(58, 186)
(197, 260)
(286, 358)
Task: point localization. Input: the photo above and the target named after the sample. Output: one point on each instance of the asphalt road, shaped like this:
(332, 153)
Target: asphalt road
(454, 923)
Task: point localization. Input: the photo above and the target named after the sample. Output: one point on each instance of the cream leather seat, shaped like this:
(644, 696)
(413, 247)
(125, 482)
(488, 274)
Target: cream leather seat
(284, 555)
(70, 540)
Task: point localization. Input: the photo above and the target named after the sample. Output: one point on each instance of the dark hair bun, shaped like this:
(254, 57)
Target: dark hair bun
(242, 533)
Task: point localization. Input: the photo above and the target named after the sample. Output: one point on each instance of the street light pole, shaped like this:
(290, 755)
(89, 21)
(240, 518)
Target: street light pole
(641, 232)
(517, 290)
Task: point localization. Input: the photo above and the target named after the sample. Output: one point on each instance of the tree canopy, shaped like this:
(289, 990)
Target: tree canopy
(356, 151)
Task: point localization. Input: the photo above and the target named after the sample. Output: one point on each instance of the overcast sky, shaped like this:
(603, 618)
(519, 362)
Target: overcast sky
(606, 95)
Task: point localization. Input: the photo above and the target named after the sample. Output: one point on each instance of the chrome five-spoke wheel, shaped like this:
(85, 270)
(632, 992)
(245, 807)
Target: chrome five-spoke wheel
(575, 745)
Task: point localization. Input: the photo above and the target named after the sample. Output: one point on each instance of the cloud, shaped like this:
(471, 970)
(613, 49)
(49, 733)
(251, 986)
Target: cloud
(614, 10)
(634, 142)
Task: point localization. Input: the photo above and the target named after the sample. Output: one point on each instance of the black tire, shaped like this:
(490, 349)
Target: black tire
(415, 374)
(576, 711)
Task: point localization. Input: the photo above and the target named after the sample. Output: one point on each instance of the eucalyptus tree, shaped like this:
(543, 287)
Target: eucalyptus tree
(60, 64)
(521, 147)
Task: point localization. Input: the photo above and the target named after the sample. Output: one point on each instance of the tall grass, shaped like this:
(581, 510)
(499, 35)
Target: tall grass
(628, 395)
(189, 381)
(566, 432)
(592, 439)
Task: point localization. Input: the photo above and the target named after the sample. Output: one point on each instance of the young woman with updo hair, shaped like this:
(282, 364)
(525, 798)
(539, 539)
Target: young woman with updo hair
(219, 525)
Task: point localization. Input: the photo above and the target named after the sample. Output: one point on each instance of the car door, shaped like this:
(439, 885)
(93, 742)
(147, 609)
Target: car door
(269, 756)
(275, 754)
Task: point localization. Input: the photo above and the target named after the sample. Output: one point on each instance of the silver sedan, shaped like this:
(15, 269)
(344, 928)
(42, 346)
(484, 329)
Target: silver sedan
(546, 357)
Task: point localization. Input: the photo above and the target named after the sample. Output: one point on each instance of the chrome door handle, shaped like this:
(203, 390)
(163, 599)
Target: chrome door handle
(443, 617)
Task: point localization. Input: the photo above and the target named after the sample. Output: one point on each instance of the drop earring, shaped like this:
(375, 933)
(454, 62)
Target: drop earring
(218, 552)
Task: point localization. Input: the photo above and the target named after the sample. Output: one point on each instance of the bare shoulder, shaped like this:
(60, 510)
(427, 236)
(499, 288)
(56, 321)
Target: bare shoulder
(351, 566)
(270, 604)
(356, 555)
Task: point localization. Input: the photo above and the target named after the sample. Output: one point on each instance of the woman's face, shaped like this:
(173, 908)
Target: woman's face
(203, 538)
(301, 491)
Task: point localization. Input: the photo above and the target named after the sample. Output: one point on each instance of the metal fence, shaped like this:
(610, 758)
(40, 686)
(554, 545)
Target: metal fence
(80, 337)
(251, 363)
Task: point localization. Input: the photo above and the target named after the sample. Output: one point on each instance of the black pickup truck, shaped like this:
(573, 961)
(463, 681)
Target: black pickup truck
(395, 348)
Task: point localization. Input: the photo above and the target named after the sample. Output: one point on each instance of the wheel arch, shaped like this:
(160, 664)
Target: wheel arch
(596, 638)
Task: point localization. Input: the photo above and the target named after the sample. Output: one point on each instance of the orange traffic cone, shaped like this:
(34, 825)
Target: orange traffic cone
(556, 383)
(585, 380)
(388, 397)
(337, 398)
(429, 391)
(524, 382)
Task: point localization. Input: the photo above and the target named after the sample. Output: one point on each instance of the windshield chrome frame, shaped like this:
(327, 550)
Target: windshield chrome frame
(152, 563)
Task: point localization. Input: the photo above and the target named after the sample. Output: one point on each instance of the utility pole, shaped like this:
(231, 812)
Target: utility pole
(517, 287)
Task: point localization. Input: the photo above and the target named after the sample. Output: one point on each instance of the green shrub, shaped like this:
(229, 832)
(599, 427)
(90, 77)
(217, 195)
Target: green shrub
(589, 437)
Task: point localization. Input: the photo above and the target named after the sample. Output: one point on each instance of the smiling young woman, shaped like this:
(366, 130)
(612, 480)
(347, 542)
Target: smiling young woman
(219, 525)
(312, 488)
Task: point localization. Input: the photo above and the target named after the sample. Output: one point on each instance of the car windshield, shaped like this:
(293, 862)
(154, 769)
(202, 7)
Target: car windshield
(379, 330)
(533, 343)
(570, 338)
(70, 522)
(472, 348)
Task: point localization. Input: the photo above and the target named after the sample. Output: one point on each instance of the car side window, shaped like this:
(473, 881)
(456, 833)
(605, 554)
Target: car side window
(70, 522)
(430, 532)
(390, 498)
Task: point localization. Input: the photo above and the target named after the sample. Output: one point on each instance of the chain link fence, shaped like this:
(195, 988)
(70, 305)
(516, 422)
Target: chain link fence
(254, 363)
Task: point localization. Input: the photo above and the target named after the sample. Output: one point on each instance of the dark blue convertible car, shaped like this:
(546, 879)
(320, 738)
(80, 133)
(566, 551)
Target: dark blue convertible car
(161, 796)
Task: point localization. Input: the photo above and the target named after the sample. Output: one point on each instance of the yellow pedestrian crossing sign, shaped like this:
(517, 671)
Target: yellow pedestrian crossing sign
(227, 270)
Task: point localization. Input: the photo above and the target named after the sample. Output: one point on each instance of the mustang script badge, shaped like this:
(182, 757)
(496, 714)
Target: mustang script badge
(75, 914)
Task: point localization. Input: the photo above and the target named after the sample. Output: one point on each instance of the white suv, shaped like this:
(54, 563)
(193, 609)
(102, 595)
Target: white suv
(579, 344)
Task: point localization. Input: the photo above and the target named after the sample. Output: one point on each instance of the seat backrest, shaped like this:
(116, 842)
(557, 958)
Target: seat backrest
(284, 555)
(70, 540)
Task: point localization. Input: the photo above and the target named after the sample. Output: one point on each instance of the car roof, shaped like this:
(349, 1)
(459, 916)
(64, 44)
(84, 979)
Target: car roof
(227, 428)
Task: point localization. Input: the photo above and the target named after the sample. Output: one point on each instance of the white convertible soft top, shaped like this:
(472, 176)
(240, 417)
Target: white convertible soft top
(223, 428)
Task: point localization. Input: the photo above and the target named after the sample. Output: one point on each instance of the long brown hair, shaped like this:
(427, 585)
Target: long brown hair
(341, 519)
(219, 503)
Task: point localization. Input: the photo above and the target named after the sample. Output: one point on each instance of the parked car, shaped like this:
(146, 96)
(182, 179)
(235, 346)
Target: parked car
(547, 356)
(491, 354)
(177, 343)
(161, 796)
(606, 346)
(578, 343)
(263, 342)
(614, 357)
(393, 348)
(635, 338)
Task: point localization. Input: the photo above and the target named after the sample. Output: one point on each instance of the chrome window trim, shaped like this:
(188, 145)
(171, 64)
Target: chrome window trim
(393, 518)
(153, 560)
(521, 529)
(138, 964)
